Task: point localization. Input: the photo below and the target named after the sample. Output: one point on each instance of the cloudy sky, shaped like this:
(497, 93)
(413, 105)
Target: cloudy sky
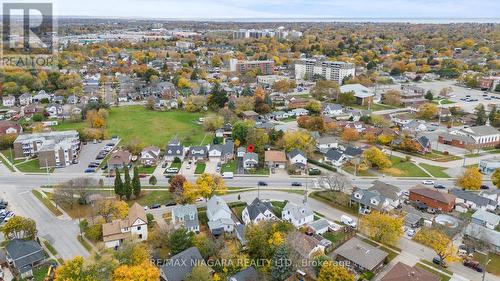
(203, 9)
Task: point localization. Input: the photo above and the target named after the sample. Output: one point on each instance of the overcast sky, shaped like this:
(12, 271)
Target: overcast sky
(192, 9)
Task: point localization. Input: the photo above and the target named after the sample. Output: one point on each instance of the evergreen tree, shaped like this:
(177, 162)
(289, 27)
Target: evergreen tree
(429, 96)
(128, 185)
(282, 267)
(480, 115)
(218, 97)
(493, 115)
(136, 183)
(118, 184)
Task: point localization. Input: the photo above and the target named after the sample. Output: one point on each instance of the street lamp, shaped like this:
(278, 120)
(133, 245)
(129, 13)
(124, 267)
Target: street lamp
(484, 269)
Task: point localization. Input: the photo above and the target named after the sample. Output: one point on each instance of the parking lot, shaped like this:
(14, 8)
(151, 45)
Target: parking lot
(88, 153)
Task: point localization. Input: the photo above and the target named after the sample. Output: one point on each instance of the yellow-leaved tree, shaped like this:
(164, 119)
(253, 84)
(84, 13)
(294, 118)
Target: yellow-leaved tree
(209, 184)
(470, 179)
(333, 272)
(382, 227)
(377, 158)
(298, 139)
(145, 271)
(439, 242)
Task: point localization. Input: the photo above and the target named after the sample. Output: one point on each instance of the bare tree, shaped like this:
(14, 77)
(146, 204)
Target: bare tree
(337, 182)
(71, 191)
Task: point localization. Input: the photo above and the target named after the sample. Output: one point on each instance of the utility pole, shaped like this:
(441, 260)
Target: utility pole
(484, 269)
(47, 171)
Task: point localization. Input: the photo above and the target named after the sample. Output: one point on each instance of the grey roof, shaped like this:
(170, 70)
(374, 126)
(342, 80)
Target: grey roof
(484, 130)
(319, 224)
(483, 233)
(251, 156)
(326, 140)
(485, 216)
(332, 106)
(333, 154)
(241, 233)
(184, 210)
(247, 274)
(361, 253)
(174, 150)
(180, 265)
(258, 207)
(412, 218)
(472, 197)
(298, 212)
(353, 151)
(387, 190)
(24, 253)
(424, 141)
(228, 148)
(296, 152)
(216, 204)
(367, 196)
(198, 150)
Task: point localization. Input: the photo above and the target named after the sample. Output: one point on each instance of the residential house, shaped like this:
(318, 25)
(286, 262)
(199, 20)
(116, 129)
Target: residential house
(414, 126)
(304, 245)
(42, 96)
(198, 153)
(224, 152)
(297, 159)
(390, 192)
(352, 152)
(72, 100)
(332, 109)
(240, 233)
(299, 112)
(25, 99)
(119, 159)
(58, 100)
(403, 272)
(174, 149)
(250, 115)
(297, 215)
(479, 136)
(488, 237)
(54, 110)
(493, 194)
(295, 103)
(150, 156)
(324, 143)
(335, 157)
(413, 220)
(250, 160)
(135, 226)
(180, 266)
(360, 255)
(275, 159)
(9, 127)
(258, 211)
(368, 200)
(247, 274)
(486, 219)
(8, 101)
(432, 198)
(186, 216)
(322, 226)
(24, 255)
(278, 115)
(424, 145)
(472, 200)
(240, 152)
(489, 166)
(219, 216)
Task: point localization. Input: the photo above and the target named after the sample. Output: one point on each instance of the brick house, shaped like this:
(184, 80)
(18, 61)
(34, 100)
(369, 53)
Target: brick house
(433, 198)
(479, 136)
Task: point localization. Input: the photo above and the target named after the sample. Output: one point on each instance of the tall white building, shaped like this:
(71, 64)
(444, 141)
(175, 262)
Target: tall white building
(330, 70)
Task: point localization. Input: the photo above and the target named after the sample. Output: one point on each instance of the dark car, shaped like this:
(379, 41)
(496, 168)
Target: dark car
(262, 183)
(104, 167)
(485, 187)
(296, 183)
(89, 170)
(439, 186)
(164, 165)
(170, 204)
(438, 261)
(473, 264)
(155, 206)
(421, 206)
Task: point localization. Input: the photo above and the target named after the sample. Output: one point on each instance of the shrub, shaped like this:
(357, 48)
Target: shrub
(94, 232)
(151, 219)
(177, 160)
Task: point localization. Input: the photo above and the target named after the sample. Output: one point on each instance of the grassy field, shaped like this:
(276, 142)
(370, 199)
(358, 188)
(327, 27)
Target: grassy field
(435, 171)
(31, 166)
(404, 169)
(337, 200)
(150, 127)
(436, 266)
(200, 168)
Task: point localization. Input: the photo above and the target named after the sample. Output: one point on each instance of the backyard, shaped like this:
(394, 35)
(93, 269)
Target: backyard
(150, 127)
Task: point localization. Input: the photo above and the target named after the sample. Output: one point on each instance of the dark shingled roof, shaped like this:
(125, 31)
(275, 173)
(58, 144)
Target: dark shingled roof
(24, 253)
(247, 274)
(180, 265)
(258, 207)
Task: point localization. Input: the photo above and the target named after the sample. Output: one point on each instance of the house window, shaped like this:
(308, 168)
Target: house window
(138, 228)
(140, 236)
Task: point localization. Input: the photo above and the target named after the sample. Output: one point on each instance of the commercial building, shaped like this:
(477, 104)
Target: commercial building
(54, 149)
(330, 70)
(477, 136)
(263, 67)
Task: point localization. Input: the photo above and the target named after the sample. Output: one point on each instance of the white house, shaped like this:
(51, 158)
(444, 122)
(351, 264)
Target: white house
(9, 101)
(332, 109)
(296, 156)
(25, 99)
(473, 201)
(299, 112)
(250, 160)
(335, 157)
(486, 219)
(219, 216)
(380, 197)
(258, 211)
(135, 226)
(40, 96)
(150, 155)
(186, 216)
(297, 215)
(54, 110)
(327, 142)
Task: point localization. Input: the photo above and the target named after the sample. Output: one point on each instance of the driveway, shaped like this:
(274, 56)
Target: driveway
(211, 166)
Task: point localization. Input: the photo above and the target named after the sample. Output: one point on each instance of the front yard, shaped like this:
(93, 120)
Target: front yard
(32, 166)
(435, 171)
(229, 167)
(402, 168)
(200, 168)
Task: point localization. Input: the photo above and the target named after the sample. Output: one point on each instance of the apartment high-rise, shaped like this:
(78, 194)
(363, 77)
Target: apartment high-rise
(266, 67)
(330, 70)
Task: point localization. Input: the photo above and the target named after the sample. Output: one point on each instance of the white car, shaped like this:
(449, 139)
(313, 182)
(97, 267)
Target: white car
(188, 166)
(410, 232)
(428, 182)
(172, 170)
(9, 216)
(200, 199)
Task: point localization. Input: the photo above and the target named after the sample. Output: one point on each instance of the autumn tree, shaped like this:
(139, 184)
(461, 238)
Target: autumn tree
(300, 140)
(145, 271)
(470, 179)
(232, 257)
(377, 158)
(346, 99)
(384, 139)
(244, 103)
(350, 134)
(392, 97)
(314, 107)
(495, 178)
(199, 273)
(112, 209)
(381, 227)
(325, 90)
(19, 228)
(438, 241)
(334, 272)
(409, 144)
(284, 85)
(73, 270)
(427, 111)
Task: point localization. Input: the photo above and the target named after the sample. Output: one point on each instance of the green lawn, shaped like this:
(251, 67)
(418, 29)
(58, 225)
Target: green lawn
(200, 168)
(150, 127)
(362, 173)
(335, 237)
(32, 166)
(153, 197)
(278, 207)
(436, 266)
(435, 171)
(175, 165)
(404, 169)
(47, 203)
(337, 200)
(40, 272)
(443, 276)
(146, 170)
(229, 167)
(493, 266)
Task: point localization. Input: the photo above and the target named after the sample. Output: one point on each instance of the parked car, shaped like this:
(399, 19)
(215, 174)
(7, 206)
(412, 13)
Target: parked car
(473, 265)
(262, 183)
(9, 216)
(142, 176)
(296, 183)
(199, 199)
(164, 165)
(485, 187)
(421, 206)
(155, 206)
(105, 167)
(410, 232)
(438, 261)
(439, 186)
(89, 170)
(172, 170)
(431, 210)
(170, 204)
(348, 221)
(428, 182)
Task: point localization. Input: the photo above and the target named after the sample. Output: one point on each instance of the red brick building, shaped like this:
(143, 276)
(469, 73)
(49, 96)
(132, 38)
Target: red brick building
(433, 198)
